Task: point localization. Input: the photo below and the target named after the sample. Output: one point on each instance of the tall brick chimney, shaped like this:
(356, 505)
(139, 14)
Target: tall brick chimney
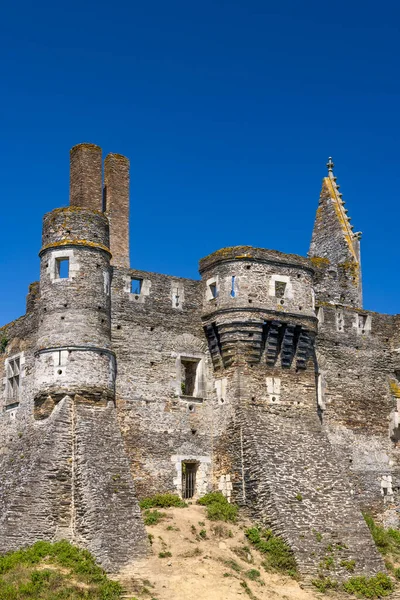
(86, 177)
(116, 206)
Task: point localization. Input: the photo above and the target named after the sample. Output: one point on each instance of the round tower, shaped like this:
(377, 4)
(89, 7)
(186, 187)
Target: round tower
(257, 305)
(73, 344)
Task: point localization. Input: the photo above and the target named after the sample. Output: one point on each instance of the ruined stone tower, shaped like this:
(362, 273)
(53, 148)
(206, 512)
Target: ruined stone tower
(120, 383)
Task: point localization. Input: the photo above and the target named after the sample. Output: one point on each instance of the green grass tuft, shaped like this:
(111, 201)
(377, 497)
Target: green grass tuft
(278, 555)
(153, 517)
(369, 587)
(26, 574)
(323, 584)
(218, 508)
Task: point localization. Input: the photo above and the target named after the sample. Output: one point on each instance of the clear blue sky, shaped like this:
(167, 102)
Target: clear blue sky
(228, 111)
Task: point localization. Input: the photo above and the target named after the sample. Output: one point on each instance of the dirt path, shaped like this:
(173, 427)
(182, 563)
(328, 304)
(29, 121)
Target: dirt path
(209, 561)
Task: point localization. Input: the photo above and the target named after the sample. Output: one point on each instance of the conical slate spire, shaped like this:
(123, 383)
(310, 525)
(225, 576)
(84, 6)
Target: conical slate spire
(333, 243)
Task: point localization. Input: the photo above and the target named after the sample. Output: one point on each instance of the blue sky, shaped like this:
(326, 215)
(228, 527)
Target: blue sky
(228, 111)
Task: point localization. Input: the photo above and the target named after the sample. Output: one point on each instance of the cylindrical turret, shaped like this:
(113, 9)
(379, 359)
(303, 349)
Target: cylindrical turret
(73, 345)
(257, 302)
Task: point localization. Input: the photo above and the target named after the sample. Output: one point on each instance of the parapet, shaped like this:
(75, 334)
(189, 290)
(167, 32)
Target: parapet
(75, 225)
(248, 253)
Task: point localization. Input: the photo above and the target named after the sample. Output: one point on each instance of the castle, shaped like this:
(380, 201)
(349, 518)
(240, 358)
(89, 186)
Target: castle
(266, 380)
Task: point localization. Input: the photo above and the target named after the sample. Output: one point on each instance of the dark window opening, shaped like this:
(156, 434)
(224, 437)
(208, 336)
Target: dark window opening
(188, 376)
(189, 470)
(233, 293)
(136, 286)
(62, 268)
(280, 288)
(213, 290)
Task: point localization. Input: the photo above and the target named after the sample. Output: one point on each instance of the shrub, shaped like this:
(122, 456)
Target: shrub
(325, 583)
(372, 587)
(253, 574)
(386, 540)
(162, 501)
(20, 579)
(164, 554)
(278, 555)
(211, 498)
(349, 565)
(153, 517)
(218, 507)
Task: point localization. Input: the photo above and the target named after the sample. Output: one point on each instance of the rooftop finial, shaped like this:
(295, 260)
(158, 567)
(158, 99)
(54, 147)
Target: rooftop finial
(330, 166)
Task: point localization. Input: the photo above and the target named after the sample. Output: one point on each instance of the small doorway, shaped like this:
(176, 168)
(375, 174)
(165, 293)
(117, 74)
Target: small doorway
(189, 470)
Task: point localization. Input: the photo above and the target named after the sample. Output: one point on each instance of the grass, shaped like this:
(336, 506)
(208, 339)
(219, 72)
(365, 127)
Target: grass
(369, 587)
(323, 584)
(253, 574)
(56, 571)
(162, 501)
(248, 590)
(153, 517)
(278, 555)
(386, 540)
(218, 508)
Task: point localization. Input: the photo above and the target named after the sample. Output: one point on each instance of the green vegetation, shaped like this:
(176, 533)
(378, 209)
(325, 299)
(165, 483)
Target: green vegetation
(369, 587)
(232, 564)
(248, 590)
(278, 555)
(153, 517)
(327, 563)
(253, 574)
(164, 554)
(3, 344)
(56, 571)
(323, 584)
(349, 565)
(299, 497)
(387, 540)
(218, 508)
(162, 501)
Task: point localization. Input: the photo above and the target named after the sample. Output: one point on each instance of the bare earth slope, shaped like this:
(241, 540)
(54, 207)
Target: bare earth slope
(205, 568)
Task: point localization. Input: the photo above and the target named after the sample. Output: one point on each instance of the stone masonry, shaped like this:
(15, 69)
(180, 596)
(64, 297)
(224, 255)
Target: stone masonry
(265, 379)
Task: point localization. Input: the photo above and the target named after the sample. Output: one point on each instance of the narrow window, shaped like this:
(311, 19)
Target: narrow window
(136, 286)
(189, 376)
(13, 378)
(62, 268)
(176, 298)
(213, 290)
(189, 470)
(280, 288)
(233, 293)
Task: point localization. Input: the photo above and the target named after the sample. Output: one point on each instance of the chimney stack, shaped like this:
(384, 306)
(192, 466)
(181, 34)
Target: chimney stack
(116, 206)
(86, 177)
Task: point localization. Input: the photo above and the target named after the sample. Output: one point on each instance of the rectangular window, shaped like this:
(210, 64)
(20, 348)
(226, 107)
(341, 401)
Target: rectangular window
(62, 268)
(13, 378)
(280, 288)
(189, 376)
(136, 286)
(213, 290)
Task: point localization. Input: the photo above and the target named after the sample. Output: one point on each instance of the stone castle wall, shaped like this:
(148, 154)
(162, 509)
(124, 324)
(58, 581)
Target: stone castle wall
(264, 375)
